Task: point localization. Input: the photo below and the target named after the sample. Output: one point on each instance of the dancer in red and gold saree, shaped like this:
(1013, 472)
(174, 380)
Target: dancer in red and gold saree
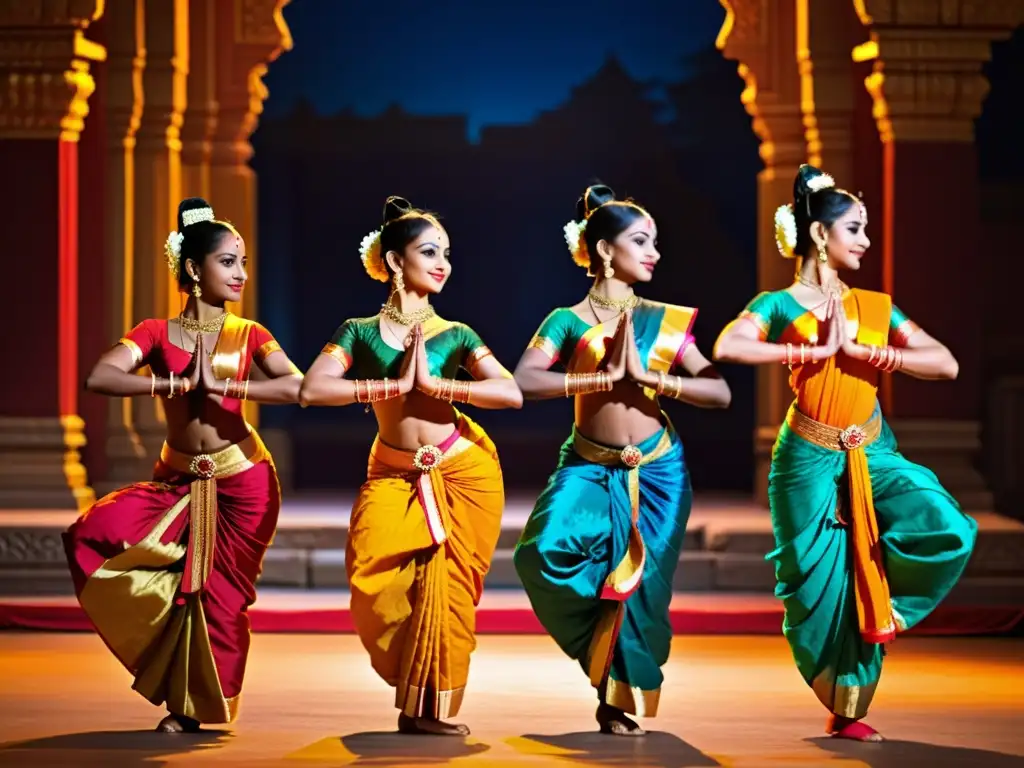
(166, 569)
(426, 522)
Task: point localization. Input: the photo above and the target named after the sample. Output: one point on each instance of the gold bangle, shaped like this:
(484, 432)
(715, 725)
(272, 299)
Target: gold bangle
(789, 354)
(802, 350)
(152, 384)
(170, 391)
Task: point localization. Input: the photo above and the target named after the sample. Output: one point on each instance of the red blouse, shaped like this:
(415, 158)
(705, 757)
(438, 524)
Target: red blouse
(240, 343)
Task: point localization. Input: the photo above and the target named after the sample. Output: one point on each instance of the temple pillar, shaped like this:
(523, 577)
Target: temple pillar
(761, 35)
(45, 85)
(157, 160)
(201, 116)
(127, 461)
(927, 88)
(249, 35)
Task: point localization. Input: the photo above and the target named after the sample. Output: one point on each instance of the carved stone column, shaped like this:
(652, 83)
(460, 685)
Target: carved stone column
(201, 117)
(158, 179)
(761, 35)
(126, 458)
(928, 87)
(249, 35)
(826, 36)
(45, 85)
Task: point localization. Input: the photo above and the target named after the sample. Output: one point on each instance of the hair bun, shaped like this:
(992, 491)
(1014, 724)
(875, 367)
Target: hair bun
(809, 180)
(191, 204)
(396, 207)
(593, 198)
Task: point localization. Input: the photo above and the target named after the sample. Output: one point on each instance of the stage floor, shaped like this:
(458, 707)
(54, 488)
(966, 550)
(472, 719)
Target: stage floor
(313, 700)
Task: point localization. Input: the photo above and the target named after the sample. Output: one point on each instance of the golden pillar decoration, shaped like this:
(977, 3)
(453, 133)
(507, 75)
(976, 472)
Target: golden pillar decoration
(927, 87)
(761, 36)
(250, 34)
(158, 178)
(126, 61)
(826, 36)
(201, 116)
(45, 85)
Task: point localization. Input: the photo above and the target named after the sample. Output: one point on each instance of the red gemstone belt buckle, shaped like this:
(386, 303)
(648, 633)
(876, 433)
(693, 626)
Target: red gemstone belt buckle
(427, 457)
(631, 456)
(203, 466)
(852, 438)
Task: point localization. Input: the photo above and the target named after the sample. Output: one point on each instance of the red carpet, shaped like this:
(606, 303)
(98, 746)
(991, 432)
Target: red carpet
(691, 615)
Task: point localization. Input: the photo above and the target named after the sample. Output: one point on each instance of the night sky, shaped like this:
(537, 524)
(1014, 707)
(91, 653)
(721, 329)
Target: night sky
(498, 63)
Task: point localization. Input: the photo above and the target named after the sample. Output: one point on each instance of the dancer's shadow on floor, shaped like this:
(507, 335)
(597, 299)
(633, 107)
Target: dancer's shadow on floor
(898, 754)
(131, 749)
(654, 750)
(390, 748)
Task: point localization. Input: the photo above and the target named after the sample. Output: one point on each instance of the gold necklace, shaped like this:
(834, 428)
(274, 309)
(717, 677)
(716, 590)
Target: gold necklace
(621, 305)
(837, 288)
(417, 316)
(202, 326)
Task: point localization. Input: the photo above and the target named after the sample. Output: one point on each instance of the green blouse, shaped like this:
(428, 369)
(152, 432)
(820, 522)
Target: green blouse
(359, 347)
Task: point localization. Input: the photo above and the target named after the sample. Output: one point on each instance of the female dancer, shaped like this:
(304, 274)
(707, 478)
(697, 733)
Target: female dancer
(426, 522)
(599, 551)
(867, 543)
(165, 569)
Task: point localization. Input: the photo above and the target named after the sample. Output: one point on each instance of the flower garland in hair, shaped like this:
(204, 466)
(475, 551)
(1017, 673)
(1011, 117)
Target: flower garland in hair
(574, 231)
(785, 230)
(370, 255)
(820, 182)
(172, 250)
(172, 246)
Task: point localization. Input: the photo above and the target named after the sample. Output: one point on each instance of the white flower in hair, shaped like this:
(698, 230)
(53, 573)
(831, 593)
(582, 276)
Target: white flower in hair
(573, 232)
(785, 230)
(195, 215)
(174, 241)
(369, 254)
(818, 183)
(172, 250)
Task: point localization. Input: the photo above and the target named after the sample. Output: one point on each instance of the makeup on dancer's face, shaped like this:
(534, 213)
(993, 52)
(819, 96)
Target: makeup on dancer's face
(427, 264)
(225, 274)
(849, 240)
(639, 250)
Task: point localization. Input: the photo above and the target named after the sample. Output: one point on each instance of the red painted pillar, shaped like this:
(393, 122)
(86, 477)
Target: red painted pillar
(41, 429)
(927, 88)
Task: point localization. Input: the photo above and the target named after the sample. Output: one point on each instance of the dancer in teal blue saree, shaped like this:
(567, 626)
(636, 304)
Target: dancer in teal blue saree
(598, 554)
(867, 542)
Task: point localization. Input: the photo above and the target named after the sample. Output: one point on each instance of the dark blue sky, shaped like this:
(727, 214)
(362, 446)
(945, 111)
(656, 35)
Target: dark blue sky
(497, 62)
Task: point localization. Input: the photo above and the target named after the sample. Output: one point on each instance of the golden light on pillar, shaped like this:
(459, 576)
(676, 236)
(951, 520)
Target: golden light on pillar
(805, 67)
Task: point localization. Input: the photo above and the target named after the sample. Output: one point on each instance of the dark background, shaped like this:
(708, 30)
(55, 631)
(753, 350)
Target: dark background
(497, 117)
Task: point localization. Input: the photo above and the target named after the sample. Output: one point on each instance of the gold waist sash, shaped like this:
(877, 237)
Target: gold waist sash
(874, 606)
(207, 468)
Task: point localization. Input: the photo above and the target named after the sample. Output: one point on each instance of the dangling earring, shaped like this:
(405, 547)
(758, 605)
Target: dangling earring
(822, 253)
(196, 290)
(399, 282)
(609, 273)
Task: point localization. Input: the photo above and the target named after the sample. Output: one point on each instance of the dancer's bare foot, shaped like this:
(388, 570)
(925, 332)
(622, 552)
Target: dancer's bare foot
(848, 728)
(430, 727)
(614, 721)
(177, 724)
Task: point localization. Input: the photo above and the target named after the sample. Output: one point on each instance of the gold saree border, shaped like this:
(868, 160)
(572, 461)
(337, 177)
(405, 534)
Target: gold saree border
(131, 601)
(420, 702)
(339, 353)
(134, 348)
(632, 700)
(852, 701)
